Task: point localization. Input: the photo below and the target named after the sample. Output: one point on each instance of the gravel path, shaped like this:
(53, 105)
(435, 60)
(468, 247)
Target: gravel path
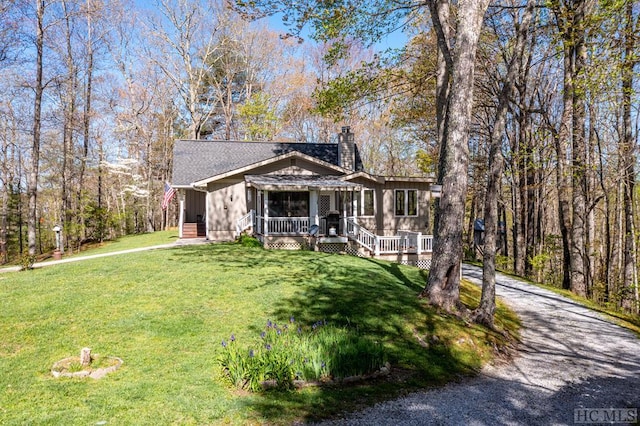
(570, 358)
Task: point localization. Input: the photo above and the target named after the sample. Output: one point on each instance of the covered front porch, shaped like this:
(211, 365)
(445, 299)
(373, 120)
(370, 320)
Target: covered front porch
(320, 213)
(292, 233)
(300, 205)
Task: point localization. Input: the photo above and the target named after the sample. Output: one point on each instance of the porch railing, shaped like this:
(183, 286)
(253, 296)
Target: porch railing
(404, 242)
(365, 238)
(426, 243)
(282, 225)
(245, 222)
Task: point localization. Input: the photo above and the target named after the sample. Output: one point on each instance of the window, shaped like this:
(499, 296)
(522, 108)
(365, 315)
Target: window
(367, 202)
(406, 202)
(288, 204)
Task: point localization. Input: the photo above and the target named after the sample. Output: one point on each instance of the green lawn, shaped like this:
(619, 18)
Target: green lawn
(128, 242)
(165, 313)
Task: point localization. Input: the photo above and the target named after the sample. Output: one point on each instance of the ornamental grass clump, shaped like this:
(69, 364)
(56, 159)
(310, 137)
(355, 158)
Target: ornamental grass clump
(288, 353)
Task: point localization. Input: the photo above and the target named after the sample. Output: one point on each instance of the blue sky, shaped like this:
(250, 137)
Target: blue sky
(395, 40)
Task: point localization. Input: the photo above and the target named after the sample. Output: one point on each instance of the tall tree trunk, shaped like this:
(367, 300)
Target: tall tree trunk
(9, 134)
(440, 9)
(485, 311)
(562, 138)
(68, 98)
(628, 159)
(517, 230)
(523, 166)
(32, 186)
(103, 212)
(530, 200)
(7, 189)
(443, 286)
(607, 257)
(86, 124)
(579, 159)
(150, 222)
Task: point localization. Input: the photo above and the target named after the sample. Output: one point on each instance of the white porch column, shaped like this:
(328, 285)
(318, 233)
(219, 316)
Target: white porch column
(344, 212)
(181, 198)
(265, 212)
(419, 244)
(355, 205)
(206, 214)
(313, 207)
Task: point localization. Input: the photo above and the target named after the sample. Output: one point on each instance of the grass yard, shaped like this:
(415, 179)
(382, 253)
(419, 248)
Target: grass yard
(165, 313)
(128, 242)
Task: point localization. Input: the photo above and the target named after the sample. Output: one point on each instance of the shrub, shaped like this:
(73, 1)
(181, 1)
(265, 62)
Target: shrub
(248, 241)
(504, 263)
(288, 353)
(26, 261)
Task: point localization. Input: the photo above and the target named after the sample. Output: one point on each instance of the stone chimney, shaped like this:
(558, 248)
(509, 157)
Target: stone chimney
(346, 149)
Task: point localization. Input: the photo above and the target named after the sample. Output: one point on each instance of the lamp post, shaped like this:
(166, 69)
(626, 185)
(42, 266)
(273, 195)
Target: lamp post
(57, 254)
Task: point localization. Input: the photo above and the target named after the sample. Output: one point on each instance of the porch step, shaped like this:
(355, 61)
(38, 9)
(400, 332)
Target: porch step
(194, 230)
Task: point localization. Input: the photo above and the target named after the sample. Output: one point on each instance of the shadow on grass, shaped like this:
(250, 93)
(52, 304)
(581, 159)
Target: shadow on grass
(377, 298)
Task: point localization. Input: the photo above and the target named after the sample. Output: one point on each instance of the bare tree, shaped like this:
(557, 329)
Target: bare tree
(628, 160)
(485, 311)
(443, 286)
(32, 185)
(184, 47)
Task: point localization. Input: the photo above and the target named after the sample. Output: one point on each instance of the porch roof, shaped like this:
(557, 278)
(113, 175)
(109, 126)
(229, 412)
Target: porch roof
(300, 183)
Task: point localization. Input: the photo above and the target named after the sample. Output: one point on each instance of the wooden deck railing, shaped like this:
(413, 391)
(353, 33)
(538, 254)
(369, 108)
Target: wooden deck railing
(405, 242)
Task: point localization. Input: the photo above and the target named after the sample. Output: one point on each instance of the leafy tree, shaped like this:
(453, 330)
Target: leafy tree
(258, 118)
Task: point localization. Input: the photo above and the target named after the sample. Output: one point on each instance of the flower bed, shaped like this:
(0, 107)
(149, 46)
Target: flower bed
(289, 356)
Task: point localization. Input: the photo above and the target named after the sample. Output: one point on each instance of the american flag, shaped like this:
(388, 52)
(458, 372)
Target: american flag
(169, 192)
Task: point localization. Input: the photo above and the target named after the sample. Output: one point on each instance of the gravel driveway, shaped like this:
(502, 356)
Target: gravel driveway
(570, 358)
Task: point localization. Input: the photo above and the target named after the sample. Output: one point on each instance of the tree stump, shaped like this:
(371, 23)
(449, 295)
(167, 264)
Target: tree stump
(85, 357)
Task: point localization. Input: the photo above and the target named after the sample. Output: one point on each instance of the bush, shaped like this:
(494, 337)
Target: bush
(503, 263)
(288, 353)
(248, 241)
(26, 261)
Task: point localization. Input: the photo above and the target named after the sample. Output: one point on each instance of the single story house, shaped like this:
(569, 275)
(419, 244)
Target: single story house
(292, 194)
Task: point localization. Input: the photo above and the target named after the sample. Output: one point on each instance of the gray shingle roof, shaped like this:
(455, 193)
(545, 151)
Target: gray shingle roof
(194, 160)
(301, 182)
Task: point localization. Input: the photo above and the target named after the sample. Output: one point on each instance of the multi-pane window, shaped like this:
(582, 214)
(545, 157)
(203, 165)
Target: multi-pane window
(406, 202)
(367, 202)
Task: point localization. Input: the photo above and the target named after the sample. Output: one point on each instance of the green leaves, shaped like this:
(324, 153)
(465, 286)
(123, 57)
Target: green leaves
(288, 353)
(259, 119)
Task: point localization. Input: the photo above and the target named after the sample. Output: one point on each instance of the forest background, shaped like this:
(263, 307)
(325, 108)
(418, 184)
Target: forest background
(93, 94)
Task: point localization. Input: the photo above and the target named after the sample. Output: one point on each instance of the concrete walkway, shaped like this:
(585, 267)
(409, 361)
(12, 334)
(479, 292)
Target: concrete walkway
(571, 358)
(78, 258)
